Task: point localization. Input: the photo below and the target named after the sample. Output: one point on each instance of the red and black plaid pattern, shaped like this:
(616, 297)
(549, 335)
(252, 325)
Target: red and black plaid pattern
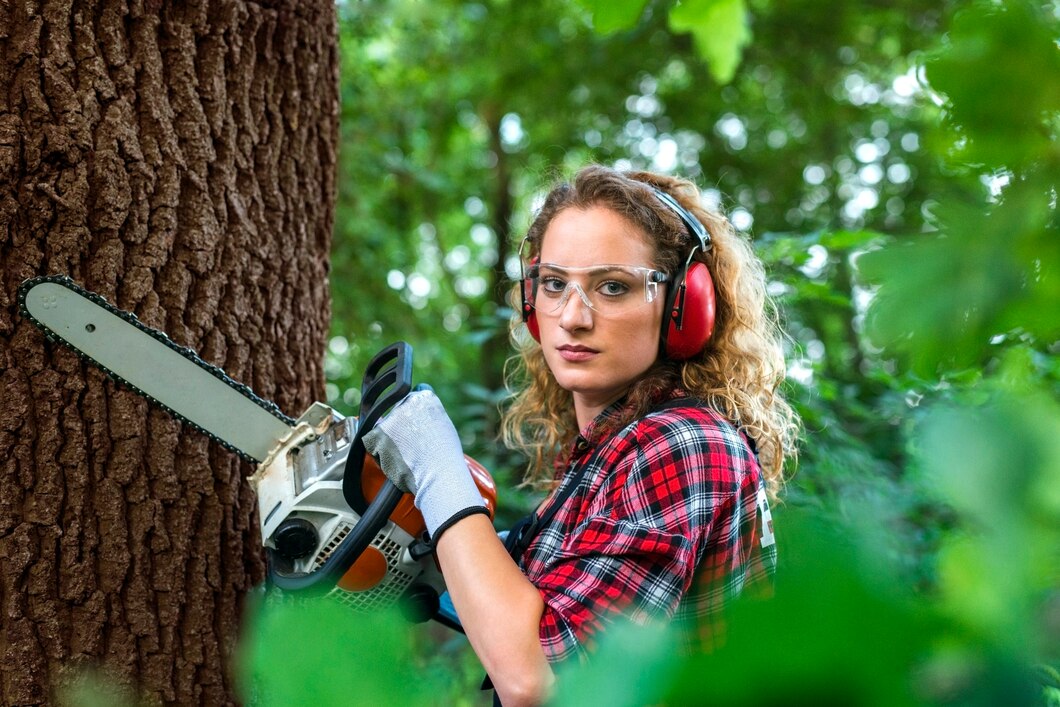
(667, 524)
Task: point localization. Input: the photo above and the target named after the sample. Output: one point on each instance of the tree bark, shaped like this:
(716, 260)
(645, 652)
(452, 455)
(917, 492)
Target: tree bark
(179, 159)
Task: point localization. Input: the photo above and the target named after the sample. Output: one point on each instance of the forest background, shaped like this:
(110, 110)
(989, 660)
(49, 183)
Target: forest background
(896, 166)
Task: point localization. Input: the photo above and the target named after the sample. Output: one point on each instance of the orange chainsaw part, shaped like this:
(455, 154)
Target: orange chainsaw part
(370, 568)
(368, 571)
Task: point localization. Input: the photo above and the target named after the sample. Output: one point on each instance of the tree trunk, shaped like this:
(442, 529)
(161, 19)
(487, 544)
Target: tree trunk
(179, 159)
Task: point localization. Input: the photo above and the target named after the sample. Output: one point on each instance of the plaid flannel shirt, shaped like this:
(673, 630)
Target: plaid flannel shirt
(670, 523)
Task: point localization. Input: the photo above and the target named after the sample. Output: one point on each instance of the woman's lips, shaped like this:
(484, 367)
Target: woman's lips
(576, 354)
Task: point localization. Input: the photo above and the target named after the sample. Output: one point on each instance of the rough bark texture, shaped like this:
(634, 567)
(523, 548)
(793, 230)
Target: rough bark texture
(179, 159)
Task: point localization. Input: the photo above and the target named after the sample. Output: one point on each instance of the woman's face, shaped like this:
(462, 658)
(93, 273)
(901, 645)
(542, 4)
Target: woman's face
(597, 354)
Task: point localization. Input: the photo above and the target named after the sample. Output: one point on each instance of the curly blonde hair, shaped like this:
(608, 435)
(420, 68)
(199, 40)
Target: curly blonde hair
(739, 372)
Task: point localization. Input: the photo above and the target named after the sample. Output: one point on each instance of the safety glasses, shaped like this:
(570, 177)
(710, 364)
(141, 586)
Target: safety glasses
(610, 290)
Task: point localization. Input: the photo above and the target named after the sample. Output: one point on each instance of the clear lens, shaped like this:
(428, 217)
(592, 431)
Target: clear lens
(610, 290)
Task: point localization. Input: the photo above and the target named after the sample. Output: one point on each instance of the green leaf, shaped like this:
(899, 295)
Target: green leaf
(942, 298)
(614, 15)
(720, 29)
(1000, 70)
(841, 635)
(321, 652)
(642, 655)
(998, 466)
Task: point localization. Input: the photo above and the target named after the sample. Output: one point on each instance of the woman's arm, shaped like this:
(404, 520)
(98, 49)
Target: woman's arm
(419, 450)
(499, 608)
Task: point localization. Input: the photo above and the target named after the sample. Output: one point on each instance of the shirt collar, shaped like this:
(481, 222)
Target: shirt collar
(598, 427)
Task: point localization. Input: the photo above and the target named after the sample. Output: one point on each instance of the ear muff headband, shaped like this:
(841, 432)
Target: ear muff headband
(693, 225)
(526, 290)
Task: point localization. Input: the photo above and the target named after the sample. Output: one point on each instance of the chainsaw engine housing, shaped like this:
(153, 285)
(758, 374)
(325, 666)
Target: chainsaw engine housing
(305, 517)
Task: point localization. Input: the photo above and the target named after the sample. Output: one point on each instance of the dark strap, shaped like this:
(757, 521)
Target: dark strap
(524, 531)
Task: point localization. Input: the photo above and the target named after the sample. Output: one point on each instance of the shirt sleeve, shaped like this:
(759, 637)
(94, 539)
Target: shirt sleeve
(634, 554)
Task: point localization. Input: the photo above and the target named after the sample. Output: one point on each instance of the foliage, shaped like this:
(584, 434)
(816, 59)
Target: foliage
(720, 27)
(898, 166)
(993, 262)
(335, 657)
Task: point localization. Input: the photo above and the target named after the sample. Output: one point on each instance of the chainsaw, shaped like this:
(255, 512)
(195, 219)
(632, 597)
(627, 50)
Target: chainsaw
(331, 523)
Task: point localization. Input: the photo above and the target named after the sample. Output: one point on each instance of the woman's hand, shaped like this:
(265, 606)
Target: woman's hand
(419, 450)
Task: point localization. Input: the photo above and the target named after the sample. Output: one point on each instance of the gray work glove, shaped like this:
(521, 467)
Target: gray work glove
(419, 450)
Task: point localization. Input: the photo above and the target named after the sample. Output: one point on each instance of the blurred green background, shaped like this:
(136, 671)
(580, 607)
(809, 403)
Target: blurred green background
(896, 165)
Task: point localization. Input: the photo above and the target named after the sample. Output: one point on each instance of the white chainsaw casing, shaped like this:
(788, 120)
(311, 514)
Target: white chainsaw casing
(302, 478)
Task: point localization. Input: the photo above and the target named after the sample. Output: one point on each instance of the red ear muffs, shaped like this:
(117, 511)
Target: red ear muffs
(689, 319)
(689, 316)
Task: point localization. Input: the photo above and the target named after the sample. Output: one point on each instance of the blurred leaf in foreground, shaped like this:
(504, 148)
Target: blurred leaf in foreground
(845, 629)
(943, 298)
(998, 466)
(721, 31)
(614, 15)
(720, 28)
(319, 652)
(836, 633)
(1000, 69)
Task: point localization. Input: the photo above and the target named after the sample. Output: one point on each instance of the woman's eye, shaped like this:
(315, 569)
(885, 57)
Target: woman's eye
(613, 288)
(553, 285)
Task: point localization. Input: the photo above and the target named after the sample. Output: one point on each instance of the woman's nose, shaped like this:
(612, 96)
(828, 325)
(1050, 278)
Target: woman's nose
(575, 311)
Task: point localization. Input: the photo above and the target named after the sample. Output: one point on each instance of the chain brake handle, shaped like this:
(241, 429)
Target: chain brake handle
(387, 380)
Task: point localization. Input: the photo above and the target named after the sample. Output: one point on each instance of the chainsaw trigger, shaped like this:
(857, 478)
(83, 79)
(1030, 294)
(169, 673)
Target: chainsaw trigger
(419, 549)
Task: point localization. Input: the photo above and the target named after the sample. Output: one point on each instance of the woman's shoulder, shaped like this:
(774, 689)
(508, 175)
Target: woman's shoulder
(683, 457)
(687, 416)
(691, 432)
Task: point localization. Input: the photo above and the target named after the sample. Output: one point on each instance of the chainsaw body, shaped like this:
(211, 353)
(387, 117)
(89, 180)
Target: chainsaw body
(305, 517)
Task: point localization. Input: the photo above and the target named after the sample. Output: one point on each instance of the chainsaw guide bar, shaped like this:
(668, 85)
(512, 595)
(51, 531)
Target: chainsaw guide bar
(192, 390)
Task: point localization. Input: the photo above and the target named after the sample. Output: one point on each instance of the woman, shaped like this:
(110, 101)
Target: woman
(656, 421)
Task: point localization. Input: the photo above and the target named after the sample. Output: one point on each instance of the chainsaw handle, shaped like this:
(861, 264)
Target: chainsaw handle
(387, 380)
(343, 557)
